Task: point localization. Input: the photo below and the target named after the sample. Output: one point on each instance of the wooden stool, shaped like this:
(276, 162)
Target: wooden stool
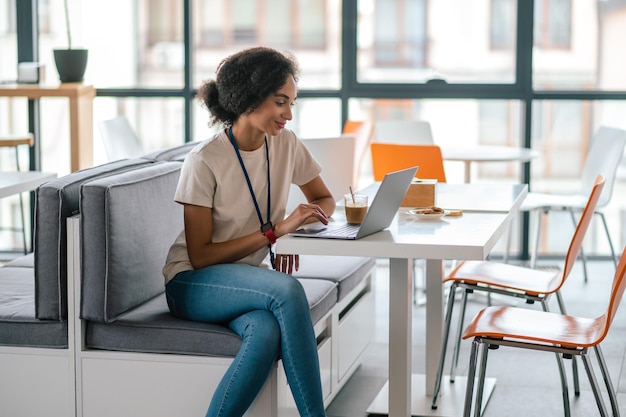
(15, 141)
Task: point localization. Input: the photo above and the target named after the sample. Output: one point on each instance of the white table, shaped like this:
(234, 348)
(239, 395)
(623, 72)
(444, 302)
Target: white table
(483, 153)
(487, 210)
(18, 182)
(12, 183)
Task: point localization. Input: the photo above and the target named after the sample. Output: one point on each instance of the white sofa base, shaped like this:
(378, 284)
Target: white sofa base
(112, 383)
(36, 382)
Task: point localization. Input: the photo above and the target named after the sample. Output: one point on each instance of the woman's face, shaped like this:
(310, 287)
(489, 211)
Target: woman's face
(272, 115)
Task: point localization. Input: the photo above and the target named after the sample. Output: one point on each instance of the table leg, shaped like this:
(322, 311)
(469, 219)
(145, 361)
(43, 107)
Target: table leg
(434, 319)
(406, 394)
(400, 332)
(81, 132)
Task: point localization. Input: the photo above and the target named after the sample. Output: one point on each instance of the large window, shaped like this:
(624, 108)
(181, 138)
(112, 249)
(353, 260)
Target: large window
(543, 74)
(308, 28)
(414, 41)
(8, 41)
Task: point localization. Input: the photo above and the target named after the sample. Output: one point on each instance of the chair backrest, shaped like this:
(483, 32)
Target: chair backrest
(404, 131)
(389, 157)
(119, 138)
(363, 132)
(582, 226)
(617, 292)
(335, 155)
(605, 154)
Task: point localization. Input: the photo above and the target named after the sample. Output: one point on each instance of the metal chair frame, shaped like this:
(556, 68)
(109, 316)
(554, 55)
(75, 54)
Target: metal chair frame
(515, 281)
(566, 336)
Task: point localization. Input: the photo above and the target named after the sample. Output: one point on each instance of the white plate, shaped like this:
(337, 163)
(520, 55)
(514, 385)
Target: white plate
(433, 216)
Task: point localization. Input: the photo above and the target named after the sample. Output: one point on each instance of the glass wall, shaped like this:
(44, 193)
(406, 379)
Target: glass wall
(310, 29)
(543, 74)
(8, 41)
(578, 45)
(562, 134)
(460, 123)
(410, 41)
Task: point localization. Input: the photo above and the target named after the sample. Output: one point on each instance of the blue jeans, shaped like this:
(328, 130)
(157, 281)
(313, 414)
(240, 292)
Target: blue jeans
(270, 312)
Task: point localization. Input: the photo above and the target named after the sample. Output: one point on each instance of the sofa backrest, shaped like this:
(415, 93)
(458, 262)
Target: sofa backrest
(128, 223)
(176, 153)
(55, 201)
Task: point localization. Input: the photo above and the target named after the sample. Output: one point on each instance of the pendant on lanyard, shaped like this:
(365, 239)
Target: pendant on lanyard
(267, 228)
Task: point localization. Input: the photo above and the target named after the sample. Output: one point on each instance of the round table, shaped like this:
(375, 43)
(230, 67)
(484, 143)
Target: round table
(484, 153)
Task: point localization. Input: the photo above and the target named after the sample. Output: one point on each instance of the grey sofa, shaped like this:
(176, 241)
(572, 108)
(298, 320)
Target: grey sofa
(84, 321)
(36, 337)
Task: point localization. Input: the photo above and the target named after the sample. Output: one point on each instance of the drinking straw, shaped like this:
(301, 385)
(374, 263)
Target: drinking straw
(352, 194)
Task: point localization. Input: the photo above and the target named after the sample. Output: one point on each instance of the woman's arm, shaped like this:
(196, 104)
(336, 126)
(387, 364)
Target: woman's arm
(199, 236)
(199, 228)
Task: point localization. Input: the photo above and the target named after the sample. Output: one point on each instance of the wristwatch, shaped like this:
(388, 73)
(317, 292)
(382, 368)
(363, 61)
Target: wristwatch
(268, 231)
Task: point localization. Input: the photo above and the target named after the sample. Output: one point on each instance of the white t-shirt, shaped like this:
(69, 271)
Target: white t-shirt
(212, 176)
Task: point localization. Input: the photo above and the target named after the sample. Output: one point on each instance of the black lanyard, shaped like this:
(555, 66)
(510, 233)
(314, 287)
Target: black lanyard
(245, 173)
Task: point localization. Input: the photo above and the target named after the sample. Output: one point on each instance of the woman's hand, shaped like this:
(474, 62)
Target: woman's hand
(287, 263)
(304, 213)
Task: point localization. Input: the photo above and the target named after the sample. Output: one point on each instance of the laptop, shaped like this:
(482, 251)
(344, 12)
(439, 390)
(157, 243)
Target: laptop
(379, 216)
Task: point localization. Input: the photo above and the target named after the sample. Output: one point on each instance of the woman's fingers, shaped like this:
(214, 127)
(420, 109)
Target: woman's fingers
(287, 263)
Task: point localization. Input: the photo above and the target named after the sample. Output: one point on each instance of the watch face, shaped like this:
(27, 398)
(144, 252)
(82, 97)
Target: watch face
(267, 226)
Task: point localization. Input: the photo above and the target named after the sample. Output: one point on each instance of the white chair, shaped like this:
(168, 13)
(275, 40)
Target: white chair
(603, 158)
(363, 132)
(15, 141)
(404, 131)
(336, 156)
(119, 138)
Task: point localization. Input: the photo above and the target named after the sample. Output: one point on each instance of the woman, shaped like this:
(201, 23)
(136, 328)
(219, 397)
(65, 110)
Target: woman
(234, 189)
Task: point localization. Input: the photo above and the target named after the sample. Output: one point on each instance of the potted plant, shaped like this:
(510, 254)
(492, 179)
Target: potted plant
(71, 63)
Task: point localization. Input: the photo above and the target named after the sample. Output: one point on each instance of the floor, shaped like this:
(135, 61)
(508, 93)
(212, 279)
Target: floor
(527, 381)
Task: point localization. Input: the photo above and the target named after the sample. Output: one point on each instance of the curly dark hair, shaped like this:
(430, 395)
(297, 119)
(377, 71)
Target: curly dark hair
(243, 81)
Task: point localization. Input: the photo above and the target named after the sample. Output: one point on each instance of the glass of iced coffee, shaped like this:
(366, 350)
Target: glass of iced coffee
(356, 207)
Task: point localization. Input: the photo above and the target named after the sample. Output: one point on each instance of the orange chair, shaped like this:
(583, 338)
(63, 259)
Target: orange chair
(529, 284)
(389, 157)
(564, 335)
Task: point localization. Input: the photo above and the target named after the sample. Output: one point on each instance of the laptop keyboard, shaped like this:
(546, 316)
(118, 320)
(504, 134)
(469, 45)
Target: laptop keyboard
(344, 230)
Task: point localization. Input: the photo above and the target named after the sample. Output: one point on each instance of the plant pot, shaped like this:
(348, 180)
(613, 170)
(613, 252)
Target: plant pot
(71, 64)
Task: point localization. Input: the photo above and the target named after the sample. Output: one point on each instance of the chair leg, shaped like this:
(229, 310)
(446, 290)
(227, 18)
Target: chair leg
(564, 389)
(533, 253)
(509, 238)
(469, 389)
(607, 380)
(575, 377)
(608, 236)
(457, 344)
(594, 386)
(444, 344)
(23, 224)
(17, 166)
(481, 380)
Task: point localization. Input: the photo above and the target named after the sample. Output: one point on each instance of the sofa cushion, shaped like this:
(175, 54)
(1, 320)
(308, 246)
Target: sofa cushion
(322, 296)
(18, 325)
(55, 201)
(128, 222)
(17, 293)
(176, 153)
(151, 328)
(24, 261)
(346, 271)
(34, 333)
